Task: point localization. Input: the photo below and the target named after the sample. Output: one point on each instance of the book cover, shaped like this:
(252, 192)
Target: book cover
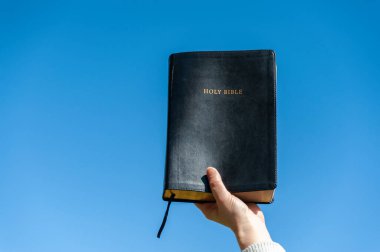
(221, 113)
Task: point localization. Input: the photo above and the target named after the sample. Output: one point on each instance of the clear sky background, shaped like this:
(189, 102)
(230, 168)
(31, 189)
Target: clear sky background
(83, 110)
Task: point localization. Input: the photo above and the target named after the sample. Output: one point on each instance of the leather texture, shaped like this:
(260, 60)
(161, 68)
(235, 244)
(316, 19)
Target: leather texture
(235, 133)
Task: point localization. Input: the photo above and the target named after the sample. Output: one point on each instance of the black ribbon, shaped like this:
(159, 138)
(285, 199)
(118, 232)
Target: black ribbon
(165, 216)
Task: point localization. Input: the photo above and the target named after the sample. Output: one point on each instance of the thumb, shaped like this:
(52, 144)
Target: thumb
(219, 191)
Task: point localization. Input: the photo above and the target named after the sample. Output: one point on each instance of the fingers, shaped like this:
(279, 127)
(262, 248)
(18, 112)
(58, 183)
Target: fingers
(219, 191)
(205, 207)
(208, 209)
(254, 207)
(200, 207)
(257, 211)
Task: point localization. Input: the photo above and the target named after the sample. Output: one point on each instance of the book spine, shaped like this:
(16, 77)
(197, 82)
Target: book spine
(275, 116)
(168, 143)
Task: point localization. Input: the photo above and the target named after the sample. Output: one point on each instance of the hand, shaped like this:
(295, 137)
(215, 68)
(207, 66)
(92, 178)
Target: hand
(245, 220)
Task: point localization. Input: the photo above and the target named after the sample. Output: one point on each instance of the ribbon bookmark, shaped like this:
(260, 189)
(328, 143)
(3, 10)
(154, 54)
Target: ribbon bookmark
(165, 216)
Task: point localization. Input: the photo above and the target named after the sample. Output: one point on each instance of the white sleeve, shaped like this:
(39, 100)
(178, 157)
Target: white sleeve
(267, 246)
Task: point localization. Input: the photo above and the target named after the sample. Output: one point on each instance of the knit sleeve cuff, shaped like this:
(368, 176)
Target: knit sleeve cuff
(267, 246)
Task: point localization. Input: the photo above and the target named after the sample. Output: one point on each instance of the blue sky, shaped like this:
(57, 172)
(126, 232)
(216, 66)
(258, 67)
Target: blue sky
(83, 106)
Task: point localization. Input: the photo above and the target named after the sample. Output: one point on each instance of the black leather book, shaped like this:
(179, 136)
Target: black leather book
(221, 113)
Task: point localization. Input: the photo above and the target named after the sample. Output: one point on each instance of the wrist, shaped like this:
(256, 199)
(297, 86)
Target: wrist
(247, 234)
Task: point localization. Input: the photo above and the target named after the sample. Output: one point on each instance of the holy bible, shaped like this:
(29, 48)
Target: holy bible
(221, 113)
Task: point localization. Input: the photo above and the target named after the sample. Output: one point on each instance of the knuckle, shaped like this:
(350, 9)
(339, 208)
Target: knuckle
(230, 202)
